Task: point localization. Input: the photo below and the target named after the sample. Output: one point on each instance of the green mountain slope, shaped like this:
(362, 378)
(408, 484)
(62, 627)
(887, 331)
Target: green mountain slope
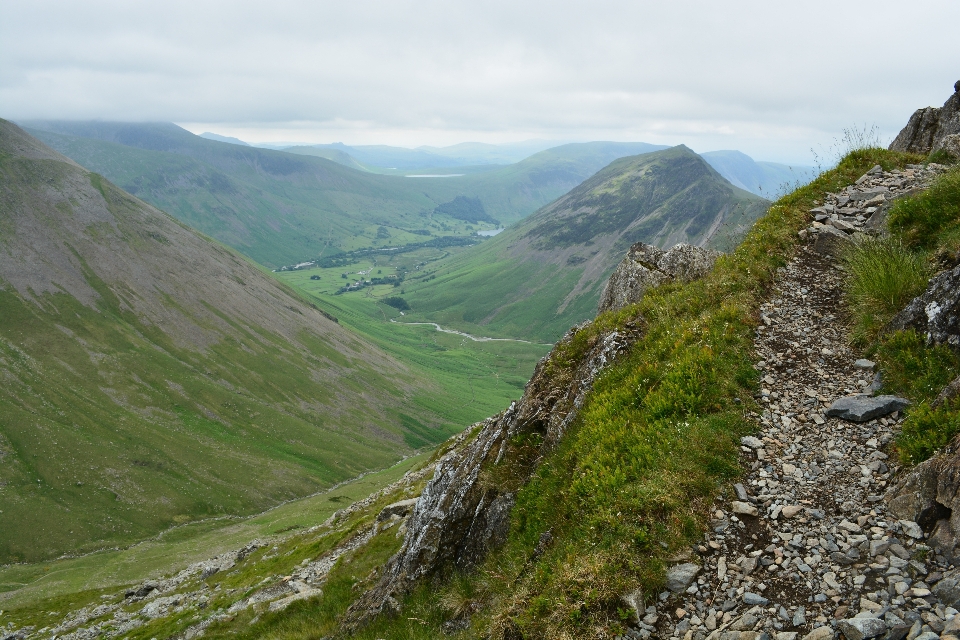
(281, 208)
(276, 207)
(153, 377)
(540, 277)
(765, 179)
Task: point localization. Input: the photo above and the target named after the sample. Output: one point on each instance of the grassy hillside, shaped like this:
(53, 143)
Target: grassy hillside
(540, 277)
(152, 377)
(282, 208)
(631, 484)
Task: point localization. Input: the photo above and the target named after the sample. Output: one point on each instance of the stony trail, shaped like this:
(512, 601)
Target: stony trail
(804, 547)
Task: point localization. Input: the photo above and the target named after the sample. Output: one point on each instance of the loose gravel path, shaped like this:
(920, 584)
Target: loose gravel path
(803, 547)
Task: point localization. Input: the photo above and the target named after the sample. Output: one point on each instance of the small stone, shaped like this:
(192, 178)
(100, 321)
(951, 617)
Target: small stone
(791, 510)
(865, 408)
(849, 526)
(820, 633)
(863, 363)
(799, 618)
(680, 576)
(861, 628)
(744, 508)
(711, 622)
(751, 441)
(753, 599)
(912, 529)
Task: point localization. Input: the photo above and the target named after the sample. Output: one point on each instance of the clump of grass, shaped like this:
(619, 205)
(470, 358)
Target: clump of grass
(931, 219)
(883, 276)
(927, 431)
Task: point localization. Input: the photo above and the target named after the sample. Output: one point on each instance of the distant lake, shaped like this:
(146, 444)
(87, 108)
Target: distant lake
(434, 175)
(489, 232)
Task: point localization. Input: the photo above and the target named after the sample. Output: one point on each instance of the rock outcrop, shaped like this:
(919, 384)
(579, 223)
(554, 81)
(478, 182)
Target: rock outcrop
(932, 128)
(646, 266)
(936, 313)
(862, 207)
(930, 496)
(464, 510)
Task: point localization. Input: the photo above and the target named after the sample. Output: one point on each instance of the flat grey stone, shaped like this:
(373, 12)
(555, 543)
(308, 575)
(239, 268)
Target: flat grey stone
(865, 408)
(912, 529)
(680, 576)
(863, 363)
(862, 628)
(753, 598)
(751, 441)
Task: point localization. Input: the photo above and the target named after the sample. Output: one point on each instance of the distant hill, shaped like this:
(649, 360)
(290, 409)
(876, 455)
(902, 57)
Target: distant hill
(281, 208)
(458, 155)
(219, 138)
(543, 275)
(152, 376)
(765, 179)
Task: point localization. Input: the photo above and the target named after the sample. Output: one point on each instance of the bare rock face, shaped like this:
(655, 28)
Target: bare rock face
(647, 266)
(464, 510)
(930, 496)
(932, 128)
(936, 313)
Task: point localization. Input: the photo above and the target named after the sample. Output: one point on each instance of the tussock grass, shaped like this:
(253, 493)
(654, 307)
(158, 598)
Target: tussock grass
(883, 276)
(930, 220)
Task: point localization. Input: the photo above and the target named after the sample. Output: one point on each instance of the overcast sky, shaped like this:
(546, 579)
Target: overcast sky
(770, 78)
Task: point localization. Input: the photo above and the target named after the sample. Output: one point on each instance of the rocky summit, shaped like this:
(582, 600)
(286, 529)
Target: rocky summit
(932, 128)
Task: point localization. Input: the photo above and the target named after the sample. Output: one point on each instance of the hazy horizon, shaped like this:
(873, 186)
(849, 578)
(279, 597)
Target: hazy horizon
(772, 81)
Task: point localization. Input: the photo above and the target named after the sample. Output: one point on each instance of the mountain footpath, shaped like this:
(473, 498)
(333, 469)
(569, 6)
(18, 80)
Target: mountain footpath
(805, 544)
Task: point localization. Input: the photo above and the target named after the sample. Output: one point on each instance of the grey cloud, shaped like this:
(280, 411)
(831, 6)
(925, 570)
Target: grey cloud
(769, 78)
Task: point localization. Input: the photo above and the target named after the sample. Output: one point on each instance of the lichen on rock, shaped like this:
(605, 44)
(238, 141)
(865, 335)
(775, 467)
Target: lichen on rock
(646, 266)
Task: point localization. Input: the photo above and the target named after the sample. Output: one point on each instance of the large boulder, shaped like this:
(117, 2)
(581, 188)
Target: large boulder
(936, 313)
(646, 266)
(931, 128)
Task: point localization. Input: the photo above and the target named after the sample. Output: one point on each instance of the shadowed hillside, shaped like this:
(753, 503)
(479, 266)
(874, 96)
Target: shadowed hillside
(152, 377)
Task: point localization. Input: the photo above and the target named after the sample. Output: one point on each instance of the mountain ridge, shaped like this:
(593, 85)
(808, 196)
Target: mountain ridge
(153, 376)
(544, 274)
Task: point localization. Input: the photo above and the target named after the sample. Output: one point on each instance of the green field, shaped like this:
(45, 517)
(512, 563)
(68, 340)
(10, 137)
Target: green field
(476, 379)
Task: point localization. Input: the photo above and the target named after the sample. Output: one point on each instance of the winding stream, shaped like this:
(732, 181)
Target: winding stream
(467, 335)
